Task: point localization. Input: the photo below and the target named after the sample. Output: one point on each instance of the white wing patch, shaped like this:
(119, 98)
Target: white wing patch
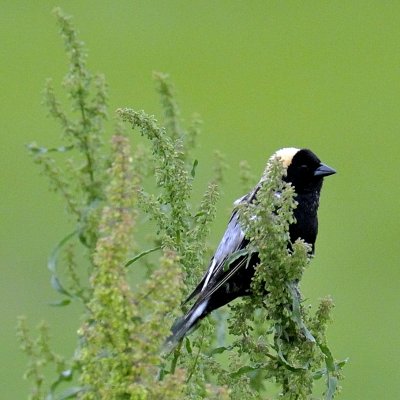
(198, 311)
(209, 273)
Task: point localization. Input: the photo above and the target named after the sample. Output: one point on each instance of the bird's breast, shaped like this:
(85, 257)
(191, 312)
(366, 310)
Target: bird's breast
(306, 226)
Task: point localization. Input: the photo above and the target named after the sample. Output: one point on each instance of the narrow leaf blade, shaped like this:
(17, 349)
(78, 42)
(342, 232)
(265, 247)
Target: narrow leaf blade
(142, 254)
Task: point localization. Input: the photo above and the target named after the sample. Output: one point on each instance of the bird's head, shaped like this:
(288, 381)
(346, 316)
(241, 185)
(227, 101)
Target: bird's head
(305, 171)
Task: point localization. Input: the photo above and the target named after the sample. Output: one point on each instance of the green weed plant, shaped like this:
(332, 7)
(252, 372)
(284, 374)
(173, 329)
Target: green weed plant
(276, 347)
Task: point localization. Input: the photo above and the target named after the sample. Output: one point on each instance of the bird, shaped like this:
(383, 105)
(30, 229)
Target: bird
(221, 284)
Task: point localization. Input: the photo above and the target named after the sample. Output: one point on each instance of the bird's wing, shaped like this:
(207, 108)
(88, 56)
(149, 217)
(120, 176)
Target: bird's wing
(232, 241)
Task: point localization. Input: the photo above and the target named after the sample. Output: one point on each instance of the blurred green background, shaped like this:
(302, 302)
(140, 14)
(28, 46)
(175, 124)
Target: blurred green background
(263, 75)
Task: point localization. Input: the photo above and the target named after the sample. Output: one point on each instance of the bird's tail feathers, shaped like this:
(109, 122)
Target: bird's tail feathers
(183, 325)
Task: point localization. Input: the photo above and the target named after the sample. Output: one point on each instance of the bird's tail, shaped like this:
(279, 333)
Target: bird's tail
(184, 324)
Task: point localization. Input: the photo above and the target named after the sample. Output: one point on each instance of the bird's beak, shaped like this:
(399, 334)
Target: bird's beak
(324, 170)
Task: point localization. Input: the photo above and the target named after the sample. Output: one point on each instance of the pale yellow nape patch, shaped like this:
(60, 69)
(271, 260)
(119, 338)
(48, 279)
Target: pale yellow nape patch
(286, 155)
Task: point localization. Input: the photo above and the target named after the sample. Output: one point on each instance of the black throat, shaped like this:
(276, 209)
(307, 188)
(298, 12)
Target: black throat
(306, 226)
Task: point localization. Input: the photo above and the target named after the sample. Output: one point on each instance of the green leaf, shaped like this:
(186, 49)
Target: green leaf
(64, 376)
(319, 374)
(193, 171)
(329, 361)
(188, 345)
(331, 367)
(244, 370)
(174, 361)
(70, 393)
(282, 358)
(234, 257)
(287, 365)
(142, 254)
(163, 373)
(220, 350)
(58, 287)
(342, 363)
(60, 303)
(332, 385)
(322, 372)
(296, 312)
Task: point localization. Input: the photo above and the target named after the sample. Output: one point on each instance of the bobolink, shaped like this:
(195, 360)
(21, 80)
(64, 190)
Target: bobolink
(221, 285)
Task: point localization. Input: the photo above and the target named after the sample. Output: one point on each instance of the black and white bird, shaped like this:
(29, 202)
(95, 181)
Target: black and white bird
(221, 285)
